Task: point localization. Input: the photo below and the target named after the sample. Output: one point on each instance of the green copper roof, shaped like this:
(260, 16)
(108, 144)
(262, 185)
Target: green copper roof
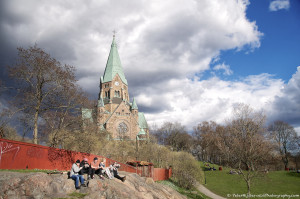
(113, 65)
(134, 106)
(142, 132)
(100, 102)
(142, 135)
(142, 121)
(87, 114)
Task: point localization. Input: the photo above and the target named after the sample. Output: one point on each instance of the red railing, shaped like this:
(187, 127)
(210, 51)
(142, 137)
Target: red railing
(22, 155)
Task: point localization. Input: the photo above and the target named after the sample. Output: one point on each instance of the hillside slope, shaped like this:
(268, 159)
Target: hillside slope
(42, 185)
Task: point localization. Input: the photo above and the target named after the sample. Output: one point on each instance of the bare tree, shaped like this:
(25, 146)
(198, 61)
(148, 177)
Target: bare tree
(42, 82)
(62, 121)
(297, 152)
(249, 149)
(284, 136)
(206, 136)
(174, 135)
(163, 132)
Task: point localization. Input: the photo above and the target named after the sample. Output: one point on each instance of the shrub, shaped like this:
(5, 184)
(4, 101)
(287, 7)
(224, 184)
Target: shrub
(186, 170)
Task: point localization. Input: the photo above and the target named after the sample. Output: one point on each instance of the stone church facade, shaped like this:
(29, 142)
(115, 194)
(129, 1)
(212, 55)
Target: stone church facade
(115, 112)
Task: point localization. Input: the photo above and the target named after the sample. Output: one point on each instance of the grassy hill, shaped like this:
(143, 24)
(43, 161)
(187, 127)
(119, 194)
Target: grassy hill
(275, 182)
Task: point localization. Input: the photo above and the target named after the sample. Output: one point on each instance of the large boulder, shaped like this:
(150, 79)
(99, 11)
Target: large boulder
(41, 185)
(33, 185)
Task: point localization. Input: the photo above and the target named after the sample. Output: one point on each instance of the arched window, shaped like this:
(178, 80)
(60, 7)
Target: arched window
(117, 93)
(107, 94)
(122, 130)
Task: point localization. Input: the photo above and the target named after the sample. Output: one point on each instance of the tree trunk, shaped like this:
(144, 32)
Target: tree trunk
(35, 130)
(248, 187)
(285, 161)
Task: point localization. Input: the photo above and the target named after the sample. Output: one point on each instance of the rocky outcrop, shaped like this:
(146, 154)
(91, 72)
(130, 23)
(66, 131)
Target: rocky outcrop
(42, 185)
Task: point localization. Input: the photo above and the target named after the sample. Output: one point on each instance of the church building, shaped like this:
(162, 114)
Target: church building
(115, 112)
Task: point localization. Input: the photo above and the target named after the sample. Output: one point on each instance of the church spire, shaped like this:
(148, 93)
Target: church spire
(100, 102)
(134, 106)
(113, 65)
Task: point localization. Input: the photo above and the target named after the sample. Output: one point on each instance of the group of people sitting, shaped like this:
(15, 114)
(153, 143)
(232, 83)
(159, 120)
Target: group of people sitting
(80, 168)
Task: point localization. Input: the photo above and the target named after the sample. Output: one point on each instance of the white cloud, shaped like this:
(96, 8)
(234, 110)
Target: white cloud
(297, 129)
(279, 5)
(192, 101)
(176, 37)
(162, 45)
(224, 67)
(286, 106)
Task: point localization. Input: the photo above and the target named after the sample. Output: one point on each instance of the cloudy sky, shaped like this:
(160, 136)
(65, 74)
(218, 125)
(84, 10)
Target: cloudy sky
(185, 60)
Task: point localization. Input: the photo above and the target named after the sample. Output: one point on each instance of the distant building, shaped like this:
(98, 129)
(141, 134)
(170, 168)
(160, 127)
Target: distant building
(115, 113)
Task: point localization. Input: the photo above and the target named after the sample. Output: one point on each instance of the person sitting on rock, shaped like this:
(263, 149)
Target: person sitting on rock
(114, 169)
(105, 169)
(74, 174)
(85, 168)
(95, 168)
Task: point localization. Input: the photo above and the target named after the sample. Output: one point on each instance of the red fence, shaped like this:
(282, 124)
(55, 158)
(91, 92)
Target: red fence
(21, 155)
(146, 169)
(162, 174)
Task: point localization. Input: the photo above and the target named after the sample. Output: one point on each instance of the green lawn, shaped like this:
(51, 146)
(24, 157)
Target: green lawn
(275, 182)
(191, 194)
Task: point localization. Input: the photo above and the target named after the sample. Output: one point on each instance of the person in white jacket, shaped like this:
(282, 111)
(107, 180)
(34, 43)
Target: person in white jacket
(74, 174)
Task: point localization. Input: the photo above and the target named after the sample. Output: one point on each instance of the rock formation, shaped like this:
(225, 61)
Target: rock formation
(41, 185)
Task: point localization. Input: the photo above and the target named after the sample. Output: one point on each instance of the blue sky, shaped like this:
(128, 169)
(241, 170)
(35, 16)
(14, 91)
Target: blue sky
(185, 61)
(279, 51)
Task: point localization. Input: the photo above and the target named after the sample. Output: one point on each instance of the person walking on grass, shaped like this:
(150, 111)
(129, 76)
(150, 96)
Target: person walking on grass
(74, 174)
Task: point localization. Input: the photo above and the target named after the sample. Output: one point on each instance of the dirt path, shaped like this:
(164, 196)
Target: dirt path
(207, 192)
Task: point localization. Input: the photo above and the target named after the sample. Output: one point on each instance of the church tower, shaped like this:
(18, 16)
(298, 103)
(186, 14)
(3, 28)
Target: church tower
(114, 111)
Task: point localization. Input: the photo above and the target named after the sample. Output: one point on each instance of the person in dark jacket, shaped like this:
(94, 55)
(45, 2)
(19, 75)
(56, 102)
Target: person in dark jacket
(85, 168)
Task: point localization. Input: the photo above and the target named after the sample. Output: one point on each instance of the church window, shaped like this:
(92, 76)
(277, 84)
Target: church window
(122, 130)
(117, 93)
(107, 94)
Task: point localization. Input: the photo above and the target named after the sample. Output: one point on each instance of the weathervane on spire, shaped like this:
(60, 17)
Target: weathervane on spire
(114, 31)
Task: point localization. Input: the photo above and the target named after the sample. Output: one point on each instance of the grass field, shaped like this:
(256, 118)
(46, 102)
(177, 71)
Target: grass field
(191, 194)
(275, 182)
